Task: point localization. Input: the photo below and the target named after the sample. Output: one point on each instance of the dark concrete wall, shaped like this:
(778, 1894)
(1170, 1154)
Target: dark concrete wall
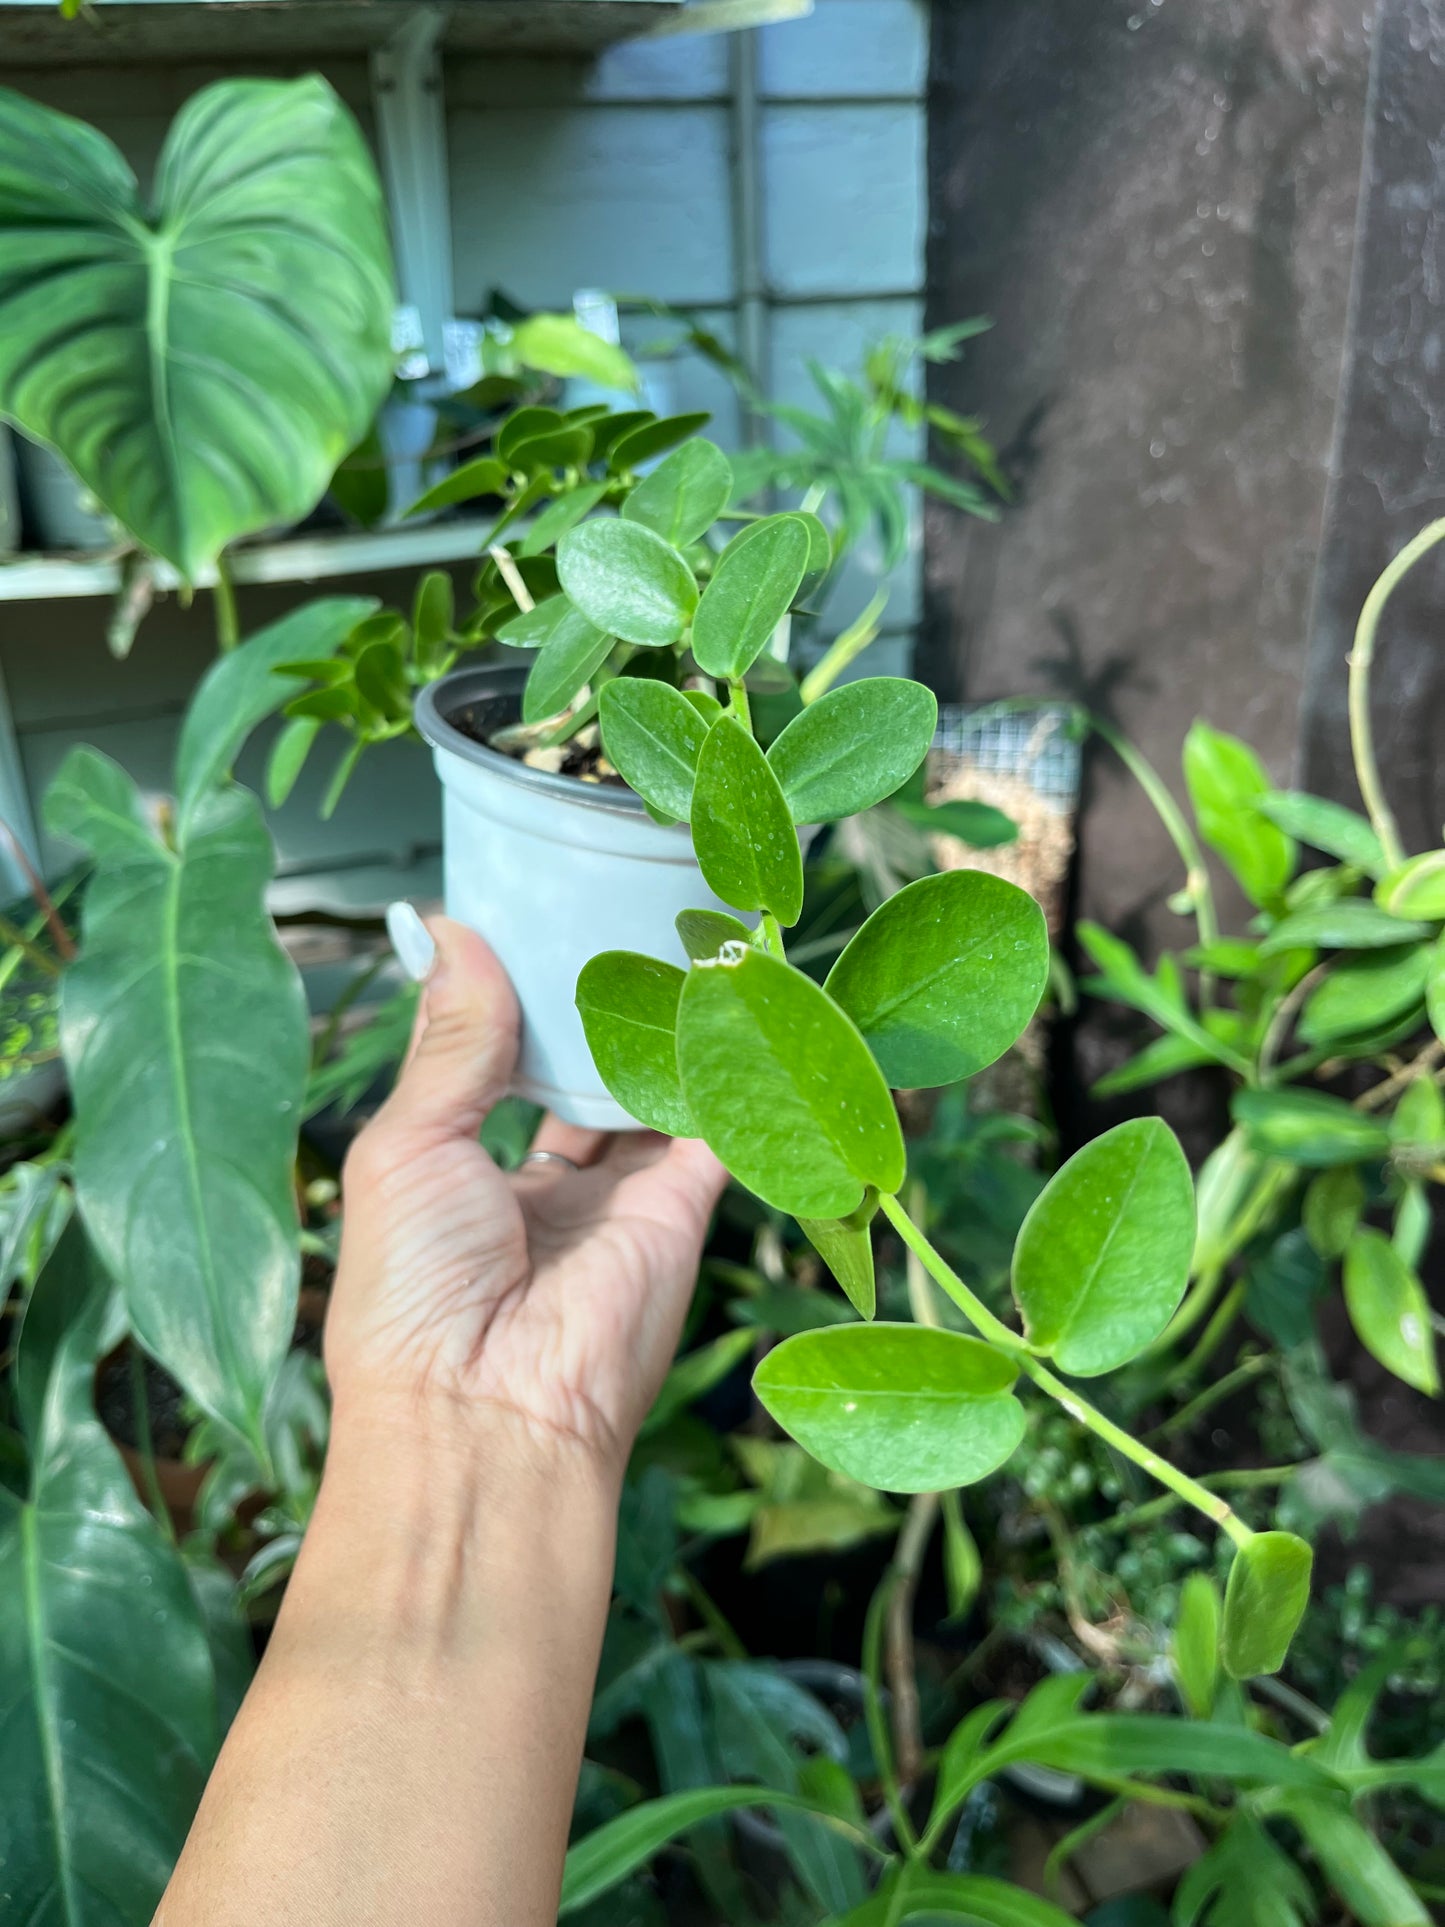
(1156, 202)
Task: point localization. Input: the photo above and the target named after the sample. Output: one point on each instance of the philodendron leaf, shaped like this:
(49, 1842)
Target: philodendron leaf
(1264, 1601)
(1103, 1257)
(628, 1006)
(684, 495)
(944, 976)
(903, 1408)
(846, 1247)
(203, 363)
(1389, 1310)
(853, 747)
(184, 1029)
(1416, 889)
(1195, 1647)
(1309, 1127)
(653, 736)
(110, 1695)
(702, 933)
(747, 848)
(1226, 781)
(783, 1088)
(750, 593)
(627, 580)
(567, 661)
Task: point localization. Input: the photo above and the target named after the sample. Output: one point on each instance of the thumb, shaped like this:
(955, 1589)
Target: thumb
(466, 1044)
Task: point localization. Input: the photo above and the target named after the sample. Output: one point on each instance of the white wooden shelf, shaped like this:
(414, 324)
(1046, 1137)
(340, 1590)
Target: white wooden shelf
(302, 558)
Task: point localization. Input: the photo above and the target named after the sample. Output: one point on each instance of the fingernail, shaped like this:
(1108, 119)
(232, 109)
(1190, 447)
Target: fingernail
(413, 943)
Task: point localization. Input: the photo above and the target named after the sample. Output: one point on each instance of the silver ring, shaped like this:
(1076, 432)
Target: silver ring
(549, 1157)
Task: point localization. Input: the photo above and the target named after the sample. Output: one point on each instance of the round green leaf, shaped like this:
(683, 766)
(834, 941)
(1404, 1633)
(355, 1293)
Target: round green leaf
(904, 1408)
(653, 736)
(1103, 1257)
(704, 932)
(1264, 1601)
(749, 595)
(684, 495)
(628, 1006)
(566, 661)
(944, 976)
(1309, 1127)
(742, 834)
(204, 363)
(853, 747)
(627, 581)
(1365, 993)
(1389, 1310)
(783, 1088)
(1416, 889)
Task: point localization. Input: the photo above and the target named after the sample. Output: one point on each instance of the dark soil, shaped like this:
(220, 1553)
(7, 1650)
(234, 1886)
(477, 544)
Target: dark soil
(581, 756)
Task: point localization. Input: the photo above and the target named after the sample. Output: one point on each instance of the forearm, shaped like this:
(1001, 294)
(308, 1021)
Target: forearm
(409, 1751)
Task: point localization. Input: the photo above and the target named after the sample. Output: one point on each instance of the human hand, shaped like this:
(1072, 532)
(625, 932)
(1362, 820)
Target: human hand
(549, 1298)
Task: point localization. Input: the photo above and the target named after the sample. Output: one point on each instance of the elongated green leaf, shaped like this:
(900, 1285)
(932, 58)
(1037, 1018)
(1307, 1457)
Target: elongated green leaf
(627, 581)
(1264, 1601)
(653, 736)
(553, 522)
(558, 344)
(684, 495)
(903, 1408)
(203, 365)
(1226, 781)
(846, 1247)
(1357, 1867)
(703, 933)
(1195, 1647)
(979, 825)
(1416, 889)
(1333, 1204)
(1325, 826)
(1103, 1256)
(565, 663)
(944, 976)
(1245, 1880)
(110, 1700)
(184, 1030)
(742, 833)
(240, 690)
(1435, 988)
(853, 747)
(750, 593)
(1389, 1310)
(652, 435)
(1309, 1127)
(628, 1006)
(783, 1088)
(485, 476)
(918, 1893)
(1349, 923)
(1365, 993)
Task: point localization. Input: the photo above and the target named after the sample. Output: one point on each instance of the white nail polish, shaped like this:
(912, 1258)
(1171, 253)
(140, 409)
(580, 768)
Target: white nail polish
(410, 939)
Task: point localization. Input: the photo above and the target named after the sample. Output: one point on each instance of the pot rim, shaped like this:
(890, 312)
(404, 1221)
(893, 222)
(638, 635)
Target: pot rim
(430, 713)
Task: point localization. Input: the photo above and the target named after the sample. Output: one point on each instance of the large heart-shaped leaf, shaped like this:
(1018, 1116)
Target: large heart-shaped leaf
(628, 1006)
(109, 1696)
(202, 365)
(853, 747)
(746, 845)
(783, 1088)
(943, 977)
(1103, 1256)
(184, 1030)
(904, 1408)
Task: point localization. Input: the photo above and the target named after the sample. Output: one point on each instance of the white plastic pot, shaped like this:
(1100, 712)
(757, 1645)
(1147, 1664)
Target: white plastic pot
(550, 870)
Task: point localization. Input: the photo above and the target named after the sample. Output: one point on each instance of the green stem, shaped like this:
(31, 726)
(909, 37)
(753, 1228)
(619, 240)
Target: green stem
(228, 620)
(1181, 1420)
(1247, 1478)
(1362, 657)
(843, 651)
(993, 1329)
(738, 697)
(1210, 1339)
(772, 936)
(13, 935)
(877, 1725)
(145, 1445)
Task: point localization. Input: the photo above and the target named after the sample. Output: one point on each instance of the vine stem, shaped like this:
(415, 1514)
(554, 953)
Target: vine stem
(1078, 1407)
(1362, 657)
(739, 704)
(1196, 873)
(228, 620)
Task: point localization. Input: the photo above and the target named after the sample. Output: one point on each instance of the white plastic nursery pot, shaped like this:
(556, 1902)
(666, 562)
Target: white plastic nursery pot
(550, 870)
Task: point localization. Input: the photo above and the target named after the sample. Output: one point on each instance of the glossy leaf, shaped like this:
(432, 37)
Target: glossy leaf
(1416, 888)
(1103, 1256)
(846, 1247)
(652, 436)
(653, 737)
(1309, 1127)
(1347, 923)
(110, 1697)
(742, 833)
(903, 1408)
(484, 476)
(944, 976)
(1326, 826)
(628, 1006)
(288, 757)
(783, 1088)
(684, 495)
(203, 363)
(558, 344)
(627, 581)
(1226, 780)
(751, 591)
(853, 746)
(184, 1029)
(979, 825)
(1264, 1601)
(552, 522)
(703, 933)
(1333, 1205)
(1194, 1651)
(1365, 993)
(565, 663)
(1389, 1310)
